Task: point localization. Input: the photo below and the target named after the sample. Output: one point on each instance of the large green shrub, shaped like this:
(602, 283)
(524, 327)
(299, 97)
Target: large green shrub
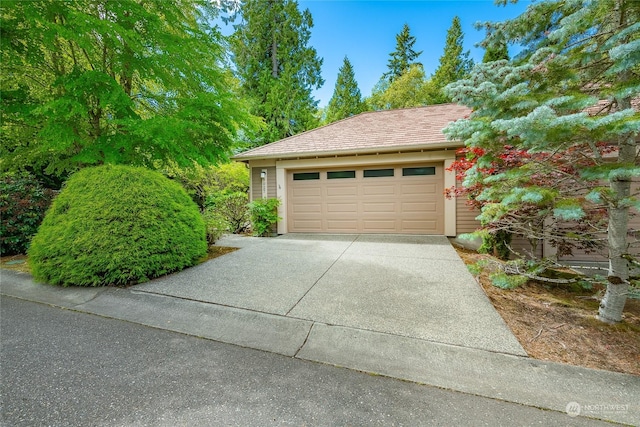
(117, 225)
(23, 203)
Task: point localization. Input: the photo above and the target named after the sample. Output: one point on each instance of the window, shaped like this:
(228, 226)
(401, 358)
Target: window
(375, 173)
(306, 176)
(341, 174)
(431, 170)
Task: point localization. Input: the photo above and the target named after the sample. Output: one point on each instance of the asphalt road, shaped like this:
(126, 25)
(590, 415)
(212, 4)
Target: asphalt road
(64, 368)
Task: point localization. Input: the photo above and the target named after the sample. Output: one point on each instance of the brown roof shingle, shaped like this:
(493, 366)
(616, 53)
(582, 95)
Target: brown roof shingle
(380, 131)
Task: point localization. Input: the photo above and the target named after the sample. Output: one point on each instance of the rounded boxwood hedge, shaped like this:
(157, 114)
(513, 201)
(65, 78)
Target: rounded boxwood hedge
(117, 225)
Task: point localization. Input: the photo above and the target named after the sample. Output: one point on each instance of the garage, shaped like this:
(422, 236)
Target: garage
(403, 199)
(375, 172)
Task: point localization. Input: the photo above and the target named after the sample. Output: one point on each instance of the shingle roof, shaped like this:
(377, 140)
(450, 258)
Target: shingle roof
(379, 131)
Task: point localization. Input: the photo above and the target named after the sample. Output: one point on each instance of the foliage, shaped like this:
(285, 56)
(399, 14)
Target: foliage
(121, 82)
(496, 52)
(408, 90)
(496, 243)
(403, 57)
(552, 142)
(23, 203)
(221, 192)
(202, 183)
(454, 64)
(264, 215)
(232, 207)
(117, 225)
(506, 281)
(347, 99)
(215, 224)
(277, 68)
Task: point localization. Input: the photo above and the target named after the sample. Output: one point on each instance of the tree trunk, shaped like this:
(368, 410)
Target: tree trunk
(612, 304)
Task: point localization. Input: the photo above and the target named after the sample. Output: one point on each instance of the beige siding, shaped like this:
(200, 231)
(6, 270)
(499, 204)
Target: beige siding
(256, 182)
(634, 224)
(466, 221)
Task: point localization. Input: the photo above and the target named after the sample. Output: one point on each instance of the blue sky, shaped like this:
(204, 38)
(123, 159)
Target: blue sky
(365, 31)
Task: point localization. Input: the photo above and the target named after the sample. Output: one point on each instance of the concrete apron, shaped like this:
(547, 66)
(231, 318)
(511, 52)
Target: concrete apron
(400, 306)
(410, 286)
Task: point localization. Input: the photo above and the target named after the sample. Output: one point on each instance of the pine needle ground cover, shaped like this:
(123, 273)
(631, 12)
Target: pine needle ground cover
(558, 323)
(117, 225)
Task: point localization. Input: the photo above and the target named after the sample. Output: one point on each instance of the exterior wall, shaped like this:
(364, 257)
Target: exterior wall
(256, 182)
(466, 221)
(634, 224)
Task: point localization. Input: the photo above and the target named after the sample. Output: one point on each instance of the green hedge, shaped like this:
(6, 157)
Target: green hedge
(117, 225)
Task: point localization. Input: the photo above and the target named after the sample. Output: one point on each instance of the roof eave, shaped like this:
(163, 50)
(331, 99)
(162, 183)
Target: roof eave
(355, 151)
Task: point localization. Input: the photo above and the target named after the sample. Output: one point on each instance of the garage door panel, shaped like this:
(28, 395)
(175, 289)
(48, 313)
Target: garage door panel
(306, 190)
(418, 226)
(300, 208)
(346, 190)
(372, 189)
(378, 207)
(342, 225)
(419, 188)
(311, 226)
(428, 207)
(377, 204)
(379, 226)
(342, 208)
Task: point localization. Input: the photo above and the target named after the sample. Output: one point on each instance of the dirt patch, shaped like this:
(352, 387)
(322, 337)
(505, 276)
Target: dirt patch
(557, 323)
(15, 263)
(216, 251)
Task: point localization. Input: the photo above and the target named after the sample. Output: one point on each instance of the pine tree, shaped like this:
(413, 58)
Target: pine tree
(496, 52)
(347, 99)
(126, 82)
(403, 57)
(454, 64)
(277, 68)
(553, 139)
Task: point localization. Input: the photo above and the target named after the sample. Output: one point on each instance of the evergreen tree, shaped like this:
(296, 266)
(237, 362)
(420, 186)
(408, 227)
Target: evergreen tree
(496, 52)
(454, 64)
(127, 82)
(403, 57)
(277, 68)
(347, 99)
(553, 139)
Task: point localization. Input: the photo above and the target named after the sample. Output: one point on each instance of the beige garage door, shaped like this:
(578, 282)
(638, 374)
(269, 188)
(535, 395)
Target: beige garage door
(385, 199)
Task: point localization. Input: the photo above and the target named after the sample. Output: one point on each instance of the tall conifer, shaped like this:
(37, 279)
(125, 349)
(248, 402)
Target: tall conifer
(347, 99)
(277, 68)
(404, 56)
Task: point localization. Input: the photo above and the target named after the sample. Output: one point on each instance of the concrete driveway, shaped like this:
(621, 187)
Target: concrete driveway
(398, 306)
(410, 286)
